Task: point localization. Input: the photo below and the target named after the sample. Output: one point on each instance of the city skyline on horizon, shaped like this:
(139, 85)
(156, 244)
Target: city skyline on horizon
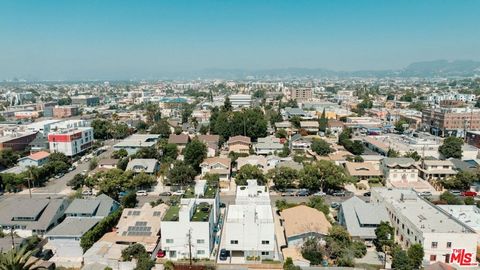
(55, 40)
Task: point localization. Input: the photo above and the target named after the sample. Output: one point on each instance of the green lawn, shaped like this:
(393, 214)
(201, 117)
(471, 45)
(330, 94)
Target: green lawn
(172, 213)
(202, 212)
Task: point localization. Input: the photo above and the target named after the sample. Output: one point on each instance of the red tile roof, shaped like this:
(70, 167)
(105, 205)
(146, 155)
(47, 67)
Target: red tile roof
(39, 155)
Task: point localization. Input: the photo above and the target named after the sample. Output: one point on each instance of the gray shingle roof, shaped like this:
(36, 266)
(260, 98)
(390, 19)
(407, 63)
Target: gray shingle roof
(42, 210)
(74, 226)
(83, 206)
(147, 165)
(356, 212)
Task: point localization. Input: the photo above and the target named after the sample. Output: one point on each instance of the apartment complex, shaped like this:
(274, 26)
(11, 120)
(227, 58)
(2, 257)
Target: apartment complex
(301, 93)
(451, 121)
(443, 237)
(249, 227)
(65, 111)
(89, 101)
(71, 141)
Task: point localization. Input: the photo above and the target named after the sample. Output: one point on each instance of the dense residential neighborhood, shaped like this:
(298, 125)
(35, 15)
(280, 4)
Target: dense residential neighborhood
(241, 174)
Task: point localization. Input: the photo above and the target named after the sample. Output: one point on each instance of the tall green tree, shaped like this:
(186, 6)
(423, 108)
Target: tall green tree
(321, 147)
(400, 260)
(162, 128)
(385, 236)
(322, 122)
(416, 253)
(451, 147)
(322, 174)
(227, 105)
(248, 172)
(194, 153)
(283, 177)
(181, 174)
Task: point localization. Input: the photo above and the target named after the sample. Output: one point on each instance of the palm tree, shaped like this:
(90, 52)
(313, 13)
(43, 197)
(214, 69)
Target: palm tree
(17, 259)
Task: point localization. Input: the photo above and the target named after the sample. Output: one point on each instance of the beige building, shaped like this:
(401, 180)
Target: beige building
(362, 170)
(239, 144)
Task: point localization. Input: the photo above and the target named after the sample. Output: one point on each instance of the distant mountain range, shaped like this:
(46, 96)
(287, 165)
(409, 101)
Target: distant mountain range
(427, 69)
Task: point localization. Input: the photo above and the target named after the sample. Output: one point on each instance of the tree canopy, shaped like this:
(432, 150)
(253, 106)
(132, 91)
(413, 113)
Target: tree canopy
(321, 147)
(248, 172)
(451, 147)
(322, 174)
(194, 153)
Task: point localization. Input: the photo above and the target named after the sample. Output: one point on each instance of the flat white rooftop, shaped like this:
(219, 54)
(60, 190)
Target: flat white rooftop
(427, 217)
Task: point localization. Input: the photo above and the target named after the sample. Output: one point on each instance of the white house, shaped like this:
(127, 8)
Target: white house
(249, 230)
(399, 170)
(191, 225)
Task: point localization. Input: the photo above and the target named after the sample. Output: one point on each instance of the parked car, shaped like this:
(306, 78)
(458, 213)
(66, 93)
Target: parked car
(335, 205)
(339, 193)
(87, 192)
(469, 193)
(222, 205)
(224, 254)
(72, 168)
(303, 193)
(142, 193)
(319, 193)
(288, 193)
(425, 194)
(166, 193)
(178, 192)
(46, 254)
(160, 253)
(455, 192)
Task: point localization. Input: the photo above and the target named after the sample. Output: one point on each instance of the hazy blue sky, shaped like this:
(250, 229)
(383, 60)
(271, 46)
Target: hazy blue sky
(124, 39)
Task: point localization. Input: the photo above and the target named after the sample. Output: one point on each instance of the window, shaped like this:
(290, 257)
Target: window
(169, 241)
(433, 258)
(265, 253)
(200, 241)
(434, 244)
(200, 252)
(449, 244)
(234, 242)
(265, 242)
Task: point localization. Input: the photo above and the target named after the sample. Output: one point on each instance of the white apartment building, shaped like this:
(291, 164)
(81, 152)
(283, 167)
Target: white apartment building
(443, 237)
(191, 224)
(249, 227)
(240, 101)
(399, 170)
(71, 141)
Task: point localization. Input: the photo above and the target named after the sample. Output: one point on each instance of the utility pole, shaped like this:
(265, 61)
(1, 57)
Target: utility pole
(190, 246)
(13, 238)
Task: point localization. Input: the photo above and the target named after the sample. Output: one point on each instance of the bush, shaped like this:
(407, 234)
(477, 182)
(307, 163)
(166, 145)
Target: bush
(104, 226)
(359, 249)
(133, 251)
